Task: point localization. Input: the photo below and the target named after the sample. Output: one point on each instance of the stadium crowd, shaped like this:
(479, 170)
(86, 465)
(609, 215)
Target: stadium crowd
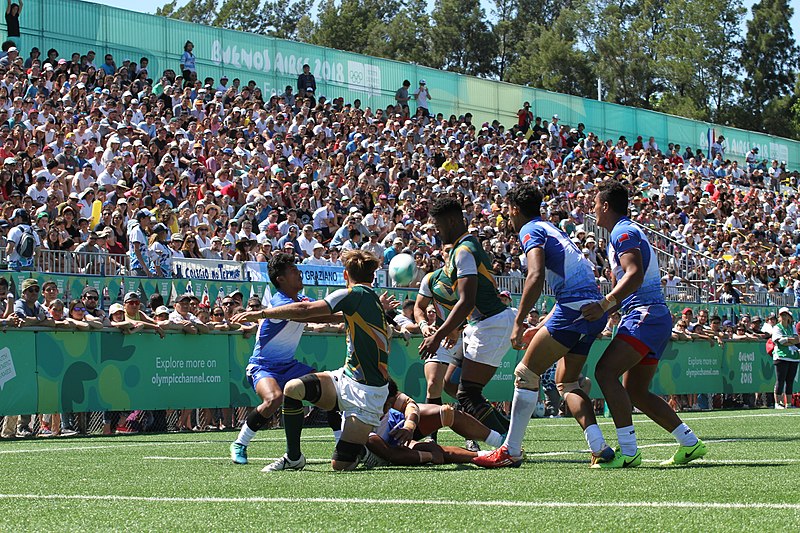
(115, 159)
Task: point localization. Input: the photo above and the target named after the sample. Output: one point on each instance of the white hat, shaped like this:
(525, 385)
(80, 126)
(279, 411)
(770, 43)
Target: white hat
(422, 82)
(784, 310)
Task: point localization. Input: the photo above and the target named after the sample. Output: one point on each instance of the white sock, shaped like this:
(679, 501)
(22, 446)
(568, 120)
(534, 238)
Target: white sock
(521, 410)
(337, 434)
(495, 439)
(245, 435)
(626, 437)
(684, 435)
(594, 438)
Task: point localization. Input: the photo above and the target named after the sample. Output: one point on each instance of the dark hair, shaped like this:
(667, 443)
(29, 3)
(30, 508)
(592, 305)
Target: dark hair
(74, 303)
(528, 198)
(277, 267)
(446, 206)
(408, 303)
(156, 301)
(616, 195)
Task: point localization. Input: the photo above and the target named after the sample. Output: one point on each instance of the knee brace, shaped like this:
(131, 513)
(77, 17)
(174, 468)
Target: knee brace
(564, 388)
(256, 420)
(334, 420)
(347, 452)
(470, 394)
(306, 388)
(525, 378)
(447, 414)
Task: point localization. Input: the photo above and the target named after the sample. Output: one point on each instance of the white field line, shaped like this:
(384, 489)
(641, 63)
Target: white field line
(145, 444)
(569, 422)
(761, 462)
(529, 454)
(406, 502)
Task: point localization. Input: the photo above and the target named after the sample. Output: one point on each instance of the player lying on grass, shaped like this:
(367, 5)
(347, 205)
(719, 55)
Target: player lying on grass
(396, 441)
(359, 389)
(643, 333)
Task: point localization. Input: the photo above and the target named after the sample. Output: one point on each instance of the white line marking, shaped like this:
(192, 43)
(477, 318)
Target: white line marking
(647, 420)
(220, 458)
(369, 501)
(653, 445)
(144, 444)
(764, 462)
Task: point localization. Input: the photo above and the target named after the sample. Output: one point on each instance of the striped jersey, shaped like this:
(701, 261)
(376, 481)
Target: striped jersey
(367, 334)
(438, 287)
(468, 258)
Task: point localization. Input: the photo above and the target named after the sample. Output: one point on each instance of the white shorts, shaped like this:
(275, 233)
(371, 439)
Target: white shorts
(359, 400)
(489, 340)
(452, 356)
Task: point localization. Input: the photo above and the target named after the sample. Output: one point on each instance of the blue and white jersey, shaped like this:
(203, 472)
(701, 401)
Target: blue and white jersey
(277, 340)
(569, 274)
(627, 236)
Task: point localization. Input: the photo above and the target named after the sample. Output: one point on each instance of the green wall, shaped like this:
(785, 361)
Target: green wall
(60, 371)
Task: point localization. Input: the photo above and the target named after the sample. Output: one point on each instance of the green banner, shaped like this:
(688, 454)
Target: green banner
(109, 371)
(18, 387)
(58, 371)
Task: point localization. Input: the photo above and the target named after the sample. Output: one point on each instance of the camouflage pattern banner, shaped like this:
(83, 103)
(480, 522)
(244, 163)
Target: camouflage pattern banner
(18, 387)
(99, 371)
(58, 371)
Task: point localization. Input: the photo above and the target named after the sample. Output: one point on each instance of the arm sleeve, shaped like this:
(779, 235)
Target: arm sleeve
(625, 240)
(339, 300)
(465, 263)
(424, 287)
(535, 237)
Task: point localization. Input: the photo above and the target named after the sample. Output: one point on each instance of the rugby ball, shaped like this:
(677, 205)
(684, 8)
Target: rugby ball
(401, 270)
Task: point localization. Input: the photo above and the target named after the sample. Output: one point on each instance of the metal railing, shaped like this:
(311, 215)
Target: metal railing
(88, 263)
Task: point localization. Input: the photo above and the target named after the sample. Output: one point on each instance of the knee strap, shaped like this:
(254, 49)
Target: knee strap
(306, 388)
(347, 452)
(525, 378)
(570, 386)
(447, 415)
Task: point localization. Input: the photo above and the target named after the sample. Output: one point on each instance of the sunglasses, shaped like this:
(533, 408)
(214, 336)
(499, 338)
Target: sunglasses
(133, 302)
(90, 297)
(33, 289)
(219, 314)
(79, 309)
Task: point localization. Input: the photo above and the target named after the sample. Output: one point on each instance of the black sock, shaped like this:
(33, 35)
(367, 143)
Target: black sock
(434, 401)
(335, 420)
(293, 426)
(255, 420)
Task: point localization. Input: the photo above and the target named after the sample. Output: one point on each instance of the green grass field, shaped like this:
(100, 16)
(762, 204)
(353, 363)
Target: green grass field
(750, 480)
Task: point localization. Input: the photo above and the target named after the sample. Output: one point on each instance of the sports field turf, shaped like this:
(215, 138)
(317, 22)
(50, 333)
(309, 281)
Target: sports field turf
(749, 481)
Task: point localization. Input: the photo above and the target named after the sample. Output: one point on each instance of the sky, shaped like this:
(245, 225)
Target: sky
(149, 6)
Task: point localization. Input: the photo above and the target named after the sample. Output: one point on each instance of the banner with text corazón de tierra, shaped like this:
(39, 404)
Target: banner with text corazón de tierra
(206, 269)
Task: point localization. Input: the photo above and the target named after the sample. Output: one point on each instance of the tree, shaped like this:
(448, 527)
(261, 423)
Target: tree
(196, 11)
(769, 58)
(406, 37)
(461, 39)
(349, 24)
(552, 60)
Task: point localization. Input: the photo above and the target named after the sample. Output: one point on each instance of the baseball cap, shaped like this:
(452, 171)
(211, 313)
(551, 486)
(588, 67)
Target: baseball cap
(161, 310)
(132, 295)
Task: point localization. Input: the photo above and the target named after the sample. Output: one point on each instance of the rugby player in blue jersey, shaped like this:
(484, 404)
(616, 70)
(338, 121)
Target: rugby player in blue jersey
(641, 338)
(554, 258)
(273, 361)
(360, 387)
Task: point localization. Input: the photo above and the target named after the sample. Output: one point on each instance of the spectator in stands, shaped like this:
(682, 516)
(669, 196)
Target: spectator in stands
(94, 315)
(181, 317)
(786, 356)
(188, 63)
(22, 242)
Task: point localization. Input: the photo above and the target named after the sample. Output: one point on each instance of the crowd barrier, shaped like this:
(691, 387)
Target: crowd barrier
(45, 371)
(74, 26)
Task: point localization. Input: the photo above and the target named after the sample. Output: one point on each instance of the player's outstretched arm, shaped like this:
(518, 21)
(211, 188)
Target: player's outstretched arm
(298, 311)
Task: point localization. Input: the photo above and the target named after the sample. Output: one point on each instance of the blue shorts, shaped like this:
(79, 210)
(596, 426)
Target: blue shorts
(281, 373)
(648, 329)
(568, 327)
